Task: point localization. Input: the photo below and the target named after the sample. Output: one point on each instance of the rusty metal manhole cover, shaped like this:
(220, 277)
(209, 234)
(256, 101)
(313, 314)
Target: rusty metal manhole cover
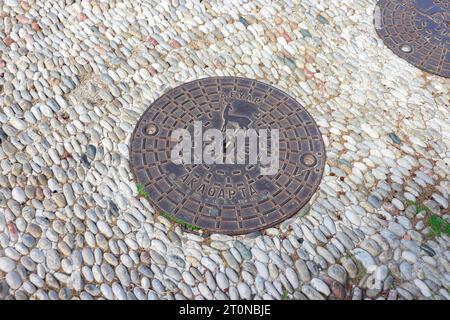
(231, 198)
(417, 31)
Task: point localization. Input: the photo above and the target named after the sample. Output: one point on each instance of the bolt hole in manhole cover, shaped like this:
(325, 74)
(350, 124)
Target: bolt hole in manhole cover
(417, 31)
(228, 155)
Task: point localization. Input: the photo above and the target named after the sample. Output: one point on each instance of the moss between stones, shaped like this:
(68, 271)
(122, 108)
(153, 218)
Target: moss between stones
(141, 191)
(179, 221)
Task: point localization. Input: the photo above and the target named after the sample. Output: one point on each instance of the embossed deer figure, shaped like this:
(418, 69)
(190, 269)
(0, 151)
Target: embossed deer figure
(242, 121)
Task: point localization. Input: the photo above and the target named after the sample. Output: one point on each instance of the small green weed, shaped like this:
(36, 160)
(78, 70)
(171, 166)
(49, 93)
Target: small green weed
(429, 235)
(419, 207)
(285, 295)
(438, 225)
(141, 191)
(179, 221)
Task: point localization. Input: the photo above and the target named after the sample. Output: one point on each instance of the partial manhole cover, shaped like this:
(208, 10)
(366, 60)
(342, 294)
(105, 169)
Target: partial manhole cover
(417, 31)
(231, 195)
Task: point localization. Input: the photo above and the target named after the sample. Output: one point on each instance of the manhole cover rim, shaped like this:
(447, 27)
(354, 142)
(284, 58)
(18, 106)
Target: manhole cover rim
(321, 159)
(396, 49)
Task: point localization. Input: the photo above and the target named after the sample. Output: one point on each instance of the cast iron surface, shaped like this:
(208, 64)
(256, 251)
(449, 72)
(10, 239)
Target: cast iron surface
(228, 198)
(417, 31)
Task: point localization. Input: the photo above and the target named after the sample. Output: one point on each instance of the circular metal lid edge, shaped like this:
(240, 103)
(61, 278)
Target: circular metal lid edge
(206, 232)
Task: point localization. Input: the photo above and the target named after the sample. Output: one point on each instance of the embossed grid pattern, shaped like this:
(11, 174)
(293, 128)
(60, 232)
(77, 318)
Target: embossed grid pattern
(421, 25)
(231, 199)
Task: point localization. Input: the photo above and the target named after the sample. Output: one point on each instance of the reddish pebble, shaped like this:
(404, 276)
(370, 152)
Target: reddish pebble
(101, 27)
(175, 44)
(309, 58)
(25, 5)
(293, 25)
(12, 232)
(390, 208)
(22, 19)
(35, 26)
(152, 71)
(100, 50)
(152, 41)
(428, 172)
(54, 81)
(8, 41)
(286, 36)
(270, 35)
(278, 20)
(82, 16)
(217, 63)
(338, 290)
(39, 194)
(328, 280)
(308, 73)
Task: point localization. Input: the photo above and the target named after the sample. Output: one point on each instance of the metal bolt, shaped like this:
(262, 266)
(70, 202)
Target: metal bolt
(309, 159)
(406, 48)
(151, 129)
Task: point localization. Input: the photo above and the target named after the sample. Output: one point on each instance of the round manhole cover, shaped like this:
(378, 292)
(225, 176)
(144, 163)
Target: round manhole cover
(417, 31)
(229, 155)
